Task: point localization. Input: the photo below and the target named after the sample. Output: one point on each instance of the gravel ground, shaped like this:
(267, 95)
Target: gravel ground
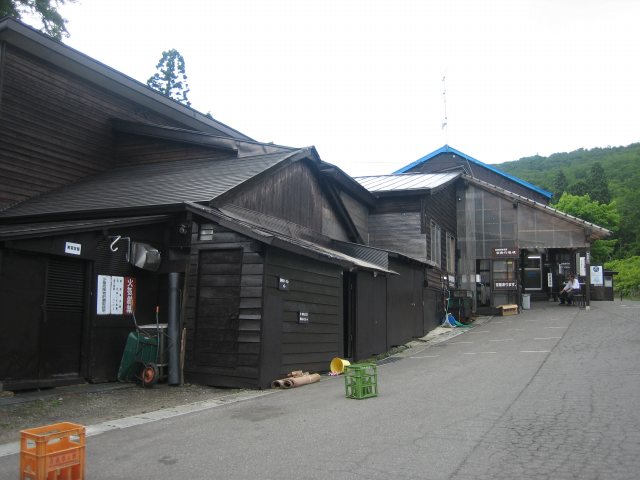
(91, 404)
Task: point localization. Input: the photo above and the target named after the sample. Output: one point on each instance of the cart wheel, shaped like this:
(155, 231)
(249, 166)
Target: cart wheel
(150, 374)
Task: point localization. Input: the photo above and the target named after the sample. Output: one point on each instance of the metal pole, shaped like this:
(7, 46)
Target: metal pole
(173, 328)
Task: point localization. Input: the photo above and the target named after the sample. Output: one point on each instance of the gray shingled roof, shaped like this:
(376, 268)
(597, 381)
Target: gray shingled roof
(156, 184)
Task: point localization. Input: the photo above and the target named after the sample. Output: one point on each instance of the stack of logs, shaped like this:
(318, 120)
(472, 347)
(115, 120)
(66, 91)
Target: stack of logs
(296, 379)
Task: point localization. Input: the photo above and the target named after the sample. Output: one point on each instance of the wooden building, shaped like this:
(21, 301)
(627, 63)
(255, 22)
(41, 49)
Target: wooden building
(104, 182)
(415, 215)
(109, 190)
(56, 105)
(485, 242)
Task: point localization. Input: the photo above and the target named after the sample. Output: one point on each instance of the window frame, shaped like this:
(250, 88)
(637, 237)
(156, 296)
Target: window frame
(450, 253)
(435, 250)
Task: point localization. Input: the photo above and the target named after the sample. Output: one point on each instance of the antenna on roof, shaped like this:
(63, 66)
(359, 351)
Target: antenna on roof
(445, 120)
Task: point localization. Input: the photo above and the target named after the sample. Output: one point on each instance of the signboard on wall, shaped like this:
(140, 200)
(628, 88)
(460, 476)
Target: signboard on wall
(596, 275)
(129, 295)
(103, 295)
(115, 295)
(505, 285)
(505, 252)
(583, 266)
(72, 248)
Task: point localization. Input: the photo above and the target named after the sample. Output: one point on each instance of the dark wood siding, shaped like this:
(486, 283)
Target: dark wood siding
(404, 303)
(399, 232)
(21, 314)
(399, 203)
(218, 308)
(224, 305)
(371, 315)
(359, 215)
(314, 288)
(433, 311)
(440, 207)
(294, 194)
(55, 127)
(395, 225)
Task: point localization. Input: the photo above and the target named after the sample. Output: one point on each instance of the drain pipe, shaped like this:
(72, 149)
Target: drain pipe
(173, 328)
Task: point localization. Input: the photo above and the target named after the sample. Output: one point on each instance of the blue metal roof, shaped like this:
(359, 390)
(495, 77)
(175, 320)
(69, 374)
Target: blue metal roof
(448, 149)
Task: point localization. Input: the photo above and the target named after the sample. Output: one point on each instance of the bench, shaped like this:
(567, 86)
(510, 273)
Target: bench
(578, 299)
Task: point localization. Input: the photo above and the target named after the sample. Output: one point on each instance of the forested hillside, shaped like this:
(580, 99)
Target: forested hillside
(620, 164)
(611, 178)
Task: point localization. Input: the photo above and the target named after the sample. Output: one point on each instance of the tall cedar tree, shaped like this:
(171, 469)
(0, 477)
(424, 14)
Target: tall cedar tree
(560, 185)
(170, 79)
(598, 184)
(47, 10)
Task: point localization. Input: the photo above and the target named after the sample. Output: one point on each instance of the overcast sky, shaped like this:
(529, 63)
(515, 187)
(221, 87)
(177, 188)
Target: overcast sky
(362, 80)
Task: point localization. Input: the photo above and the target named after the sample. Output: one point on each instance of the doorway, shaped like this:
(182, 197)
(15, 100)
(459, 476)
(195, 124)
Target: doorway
(532, 269)
(43, 307)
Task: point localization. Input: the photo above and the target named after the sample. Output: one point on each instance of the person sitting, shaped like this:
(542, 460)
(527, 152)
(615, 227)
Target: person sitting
(570, 289)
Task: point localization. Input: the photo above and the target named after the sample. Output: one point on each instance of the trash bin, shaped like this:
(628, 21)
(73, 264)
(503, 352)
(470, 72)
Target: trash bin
(526, 301)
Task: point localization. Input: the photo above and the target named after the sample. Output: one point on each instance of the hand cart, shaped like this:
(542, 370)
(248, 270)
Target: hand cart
(145, 354)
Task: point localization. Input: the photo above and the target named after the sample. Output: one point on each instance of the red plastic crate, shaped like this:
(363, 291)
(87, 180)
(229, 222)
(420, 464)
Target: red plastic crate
(53, 452)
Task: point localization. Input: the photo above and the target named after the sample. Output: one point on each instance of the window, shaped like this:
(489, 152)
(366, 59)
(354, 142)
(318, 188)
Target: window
(451, 254)
(436, 244)
(206, 231)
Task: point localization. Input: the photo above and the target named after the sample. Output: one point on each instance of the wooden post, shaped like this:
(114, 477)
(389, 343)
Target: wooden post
(587, 282)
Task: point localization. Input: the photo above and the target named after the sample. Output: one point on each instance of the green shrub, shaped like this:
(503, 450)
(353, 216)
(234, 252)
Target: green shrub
(627, 282)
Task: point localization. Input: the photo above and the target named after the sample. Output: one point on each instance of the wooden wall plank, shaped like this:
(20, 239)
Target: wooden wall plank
(56, 128)
(225, 292)
(314, 288)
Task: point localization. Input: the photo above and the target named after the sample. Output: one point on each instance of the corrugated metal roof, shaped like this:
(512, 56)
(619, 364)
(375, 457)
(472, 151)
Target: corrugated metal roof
(373, 255)
(155, 184)
(406, 181)
(448, 149)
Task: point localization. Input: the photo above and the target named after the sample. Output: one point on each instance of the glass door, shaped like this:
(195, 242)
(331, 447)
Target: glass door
(532, 272)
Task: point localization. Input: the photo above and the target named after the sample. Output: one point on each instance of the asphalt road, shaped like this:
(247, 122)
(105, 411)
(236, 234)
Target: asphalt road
(552, 393)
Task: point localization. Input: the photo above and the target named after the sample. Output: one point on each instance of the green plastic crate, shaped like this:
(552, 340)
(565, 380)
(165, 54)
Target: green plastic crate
(361, 380)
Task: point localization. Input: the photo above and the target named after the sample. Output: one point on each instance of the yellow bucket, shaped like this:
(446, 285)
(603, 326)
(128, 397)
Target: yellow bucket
(338, 365)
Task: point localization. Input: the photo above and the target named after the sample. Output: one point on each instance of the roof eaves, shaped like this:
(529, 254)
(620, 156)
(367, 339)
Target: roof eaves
(347, 181)
(80, 64)
(92, 213)
(243, 148)
(30, 230)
